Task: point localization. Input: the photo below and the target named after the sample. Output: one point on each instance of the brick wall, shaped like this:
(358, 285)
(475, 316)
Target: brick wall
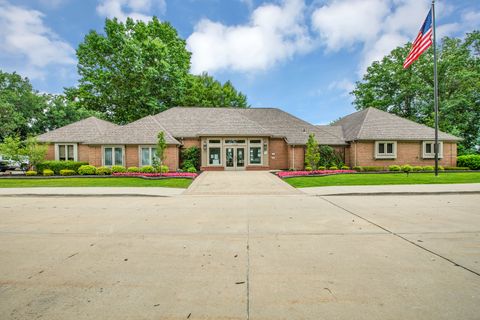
(408, 152)
(296, 157)
(83, 151)
(50, 152)
(131, 156)
(278, 154)
(172, 157)
(95, 155)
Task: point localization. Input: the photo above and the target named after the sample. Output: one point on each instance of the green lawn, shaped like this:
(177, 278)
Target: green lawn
(383, 179)
(95, 182)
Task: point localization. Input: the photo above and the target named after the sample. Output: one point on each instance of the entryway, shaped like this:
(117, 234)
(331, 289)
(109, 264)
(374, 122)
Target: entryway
(235, 158)
(240, 183)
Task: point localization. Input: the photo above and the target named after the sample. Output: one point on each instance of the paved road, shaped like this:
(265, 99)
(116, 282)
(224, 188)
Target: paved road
(240, 257)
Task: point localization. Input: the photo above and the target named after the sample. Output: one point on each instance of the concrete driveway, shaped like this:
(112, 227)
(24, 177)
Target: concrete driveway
(240, 257)
(240, 183)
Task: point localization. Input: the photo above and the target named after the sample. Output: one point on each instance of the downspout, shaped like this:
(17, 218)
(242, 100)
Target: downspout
(293, 157)
(355, 153)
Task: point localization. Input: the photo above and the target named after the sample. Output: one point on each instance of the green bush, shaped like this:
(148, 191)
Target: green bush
(165, 169)
(87, 170)
(48, 172)
(345, 168)
(118, 169)
(333, 168)
(440, 168)
(373, 168)
(56, 166)
(428, 168)
(190, 158)
(104, 171)
(394, 168)
(67, 172)
(470, 160)
(407, 168)
(358, 168)
(192, 170)
(321, 168)
(31, 173)
(456, 168)
(330, 157)
(308, 168)
(147, 169)
(133, 169)
(417, 168)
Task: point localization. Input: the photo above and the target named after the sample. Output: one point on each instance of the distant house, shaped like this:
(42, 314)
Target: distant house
(248, 139)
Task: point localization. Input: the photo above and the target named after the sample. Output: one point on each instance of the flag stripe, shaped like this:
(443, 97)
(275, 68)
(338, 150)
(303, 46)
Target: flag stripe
(421, 42)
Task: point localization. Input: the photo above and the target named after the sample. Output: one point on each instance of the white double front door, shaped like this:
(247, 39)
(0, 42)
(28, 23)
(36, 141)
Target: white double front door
(235, 158)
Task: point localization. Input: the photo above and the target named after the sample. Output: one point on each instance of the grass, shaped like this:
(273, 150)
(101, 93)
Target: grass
(383, 179)
(95, 182)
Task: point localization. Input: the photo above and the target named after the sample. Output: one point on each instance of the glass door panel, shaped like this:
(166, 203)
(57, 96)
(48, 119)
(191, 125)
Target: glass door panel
(240, 157)
(229, 163)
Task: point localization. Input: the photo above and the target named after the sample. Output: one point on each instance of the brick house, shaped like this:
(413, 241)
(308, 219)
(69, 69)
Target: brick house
(248, 139)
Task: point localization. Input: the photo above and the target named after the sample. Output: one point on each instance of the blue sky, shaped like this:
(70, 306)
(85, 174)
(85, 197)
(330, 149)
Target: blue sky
(299, 55)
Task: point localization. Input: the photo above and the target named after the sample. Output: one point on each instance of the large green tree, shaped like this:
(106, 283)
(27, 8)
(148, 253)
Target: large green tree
(136, 69)
(409, 93)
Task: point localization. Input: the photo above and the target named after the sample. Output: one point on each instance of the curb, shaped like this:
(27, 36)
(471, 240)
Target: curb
(399, 193)
(66, 195)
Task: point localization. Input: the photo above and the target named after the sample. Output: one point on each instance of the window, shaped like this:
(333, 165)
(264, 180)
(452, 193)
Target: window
(234, 141)
(214, 157)
(429, 149)
(255, 151)
(113, 156)
(64, 152)
(147, 155)
(214, 141)
(385, 149)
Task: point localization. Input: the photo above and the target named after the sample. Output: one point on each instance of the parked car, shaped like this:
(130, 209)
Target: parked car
(9, 164)
(5, 165)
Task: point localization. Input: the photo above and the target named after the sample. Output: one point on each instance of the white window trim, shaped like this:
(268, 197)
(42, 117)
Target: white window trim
(113, 155)
(386, 155)
(75, 150)
(215, 145)
(250, 144)
(140, 154)
(432, 155)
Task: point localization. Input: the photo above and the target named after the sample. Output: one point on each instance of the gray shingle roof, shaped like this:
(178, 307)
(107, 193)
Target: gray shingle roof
(375, 124)
(142, 131)
(183, 122)
(79, 131)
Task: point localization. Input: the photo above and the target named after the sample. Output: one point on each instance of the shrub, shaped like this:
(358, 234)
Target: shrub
(48, 172)
(133, 169)
(103, 171)
(192, 170)
(333, 168)
(87, 170)
(330, 157)
(428, 168)
(67, 172)
(31, 173)
(165, 169)
(308, 168)
(147, 169)
(373, 168)
(358, 168)
(191, 157)
(417, 168)
(117, 169)
(345, 168)
(321, 168)
(407, 168)
(470, 160)
(56, 166)
(456, 168)
(440, 168)
(394, 168)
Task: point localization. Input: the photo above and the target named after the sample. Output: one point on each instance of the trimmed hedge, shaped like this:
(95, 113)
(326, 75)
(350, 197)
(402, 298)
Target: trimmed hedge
(192, 170)
(133, 169)
(31, 173)
(67, 172)
(87, 170)
(417, 168)
(48, 172)
(57, 166)
(470, 160)
(457, 168)
(429, 168)
(104, 171)
(407, 168)
(165, 169)
(147, 169)
(394, 168)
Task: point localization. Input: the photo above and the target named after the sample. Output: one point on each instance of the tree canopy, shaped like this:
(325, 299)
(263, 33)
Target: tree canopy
(136, 69)
(409, 93)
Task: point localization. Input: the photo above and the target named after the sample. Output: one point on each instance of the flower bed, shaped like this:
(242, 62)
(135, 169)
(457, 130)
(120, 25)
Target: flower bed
(289, 174)
(166, 175)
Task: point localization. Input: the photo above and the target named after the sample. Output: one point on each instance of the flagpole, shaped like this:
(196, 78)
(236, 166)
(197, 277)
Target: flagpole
(435, 87)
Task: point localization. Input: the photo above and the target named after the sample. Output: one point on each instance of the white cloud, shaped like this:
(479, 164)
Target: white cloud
(273, 34)
(344, 86)
(25, 41)
(135, 9)
(344, 23)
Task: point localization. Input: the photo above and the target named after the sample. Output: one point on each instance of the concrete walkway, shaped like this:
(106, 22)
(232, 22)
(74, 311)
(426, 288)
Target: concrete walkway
(394, 189)
(92, 191)
(240, 183)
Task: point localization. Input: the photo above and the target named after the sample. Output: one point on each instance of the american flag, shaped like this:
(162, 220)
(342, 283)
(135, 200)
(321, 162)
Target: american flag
(422, 42)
